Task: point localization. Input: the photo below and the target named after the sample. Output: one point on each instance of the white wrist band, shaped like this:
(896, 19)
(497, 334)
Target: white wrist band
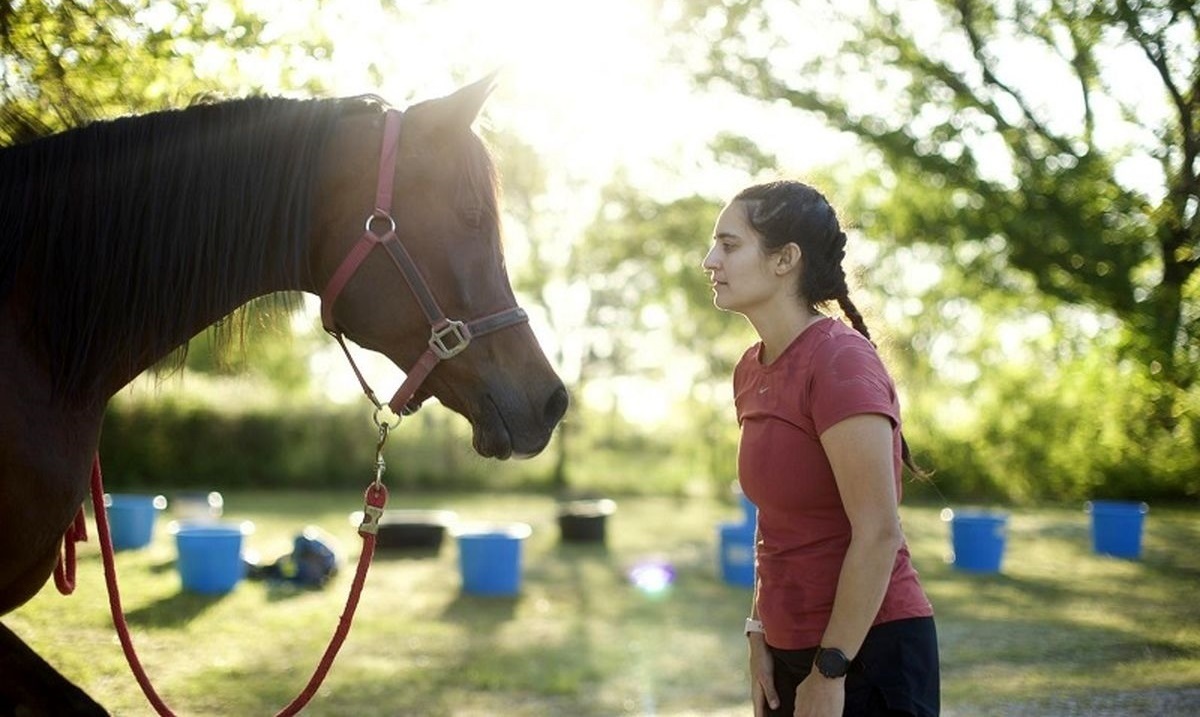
(753, 625)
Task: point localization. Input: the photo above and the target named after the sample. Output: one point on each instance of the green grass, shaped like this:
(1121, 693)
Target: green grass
(1057, 626)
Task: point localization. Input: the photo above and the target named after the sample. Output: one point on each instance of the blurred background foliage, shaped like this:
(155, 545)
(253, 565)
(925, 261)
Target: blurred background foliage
(1032, 280)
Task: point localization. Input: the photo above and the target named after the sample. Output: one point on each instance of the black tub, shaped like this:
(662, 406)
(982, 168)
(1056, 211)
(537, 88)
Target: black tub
(584, 521)
(416, 530)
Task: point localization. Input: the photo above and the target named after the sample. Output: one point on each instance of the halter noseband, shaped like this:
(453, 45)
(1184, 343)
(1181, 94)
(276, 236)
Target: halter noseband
(448, 337)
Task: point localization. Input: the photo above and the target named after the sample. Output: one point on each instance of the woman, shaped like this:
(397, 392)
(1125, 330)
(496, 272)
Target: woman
(839, 624)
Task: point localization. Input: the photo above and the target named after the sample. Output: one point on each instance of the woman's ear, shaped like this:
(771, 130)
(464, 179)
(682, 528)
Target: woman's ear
(787, 258)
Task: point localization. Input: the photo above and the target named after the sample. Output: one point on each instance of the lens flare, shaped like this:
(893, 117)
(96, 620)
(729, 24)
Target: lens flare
(653, 577)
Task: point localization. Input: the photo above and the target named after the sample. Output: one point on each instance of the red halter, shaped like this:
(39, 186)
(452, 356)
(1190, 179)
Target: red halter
(449, 337)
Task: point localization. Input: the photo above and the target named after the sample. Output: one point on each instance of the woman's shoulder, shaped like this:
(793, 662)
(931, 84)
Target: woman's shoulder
(836, 343)
(834, 333)
(751, 353)
(833, 329)
(748, 362)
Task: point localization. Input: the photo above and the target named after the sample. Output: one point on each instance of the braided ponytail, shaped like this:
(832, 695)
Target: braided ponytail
(854, 315)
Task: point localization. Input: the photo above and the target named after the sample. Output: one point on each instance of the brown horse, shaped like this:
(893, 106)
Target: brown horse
(121, 240)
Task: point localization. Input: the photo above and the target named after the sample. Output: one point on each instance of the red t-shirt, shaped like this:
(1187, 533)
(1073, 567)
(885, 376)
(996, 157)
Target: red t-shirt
(829, 373)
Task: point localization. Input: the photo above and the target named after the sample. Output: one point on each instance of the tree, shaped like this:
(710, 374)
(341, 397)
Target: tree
(625, 294)
(643, 257)
(1003, 169)
(640, 260)
(71, 61)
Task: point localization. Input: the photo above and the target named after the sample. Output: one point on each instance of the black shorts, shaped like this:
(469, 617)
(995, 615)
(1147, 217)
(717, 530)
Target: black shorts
(895, 672)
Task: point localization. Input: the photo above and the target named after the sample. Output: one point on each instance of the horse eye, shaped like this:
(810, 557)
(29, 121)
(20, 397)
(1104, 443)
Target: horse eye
(473, 217)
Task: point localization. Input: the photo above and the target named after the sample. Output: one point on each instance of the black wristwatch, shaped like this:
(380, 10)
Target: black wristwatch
(831, 662)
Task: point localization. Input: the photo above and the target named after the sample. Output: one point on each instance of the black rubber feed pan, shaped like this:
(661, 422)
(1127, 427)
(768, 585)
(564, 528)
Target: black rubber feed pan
(414, 529)
(584, 521)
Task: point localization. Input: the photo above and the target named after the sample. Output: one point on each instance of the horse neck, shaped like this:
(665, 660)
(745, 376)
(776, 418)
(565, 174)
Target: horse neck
(342, 199)
(150, 245)
(138, 350)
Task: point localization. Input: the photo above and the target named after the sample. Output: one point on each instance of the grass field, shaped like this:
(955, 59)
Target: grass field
(1059, 631)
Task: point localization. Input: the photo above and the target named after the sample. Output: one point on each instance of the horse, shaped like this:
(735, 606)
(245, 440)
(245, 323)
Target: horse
(121, 239)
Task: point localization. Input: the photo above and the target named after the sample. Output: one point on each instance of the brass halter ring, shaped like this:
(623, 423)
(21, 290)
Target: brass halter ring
(388, 422)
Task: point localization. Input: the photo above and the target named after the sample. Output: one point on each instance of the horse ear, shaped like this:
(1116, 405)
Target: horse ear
(458, 111)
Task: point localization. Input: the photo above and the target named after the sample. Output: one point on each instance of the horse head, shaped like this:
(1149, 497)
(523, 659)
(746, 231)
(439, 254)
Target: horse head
(432, 257)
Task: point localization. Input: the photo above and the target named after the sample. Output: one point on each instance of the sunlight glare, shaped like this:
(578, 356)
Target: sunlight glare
(583, 82)
(652, 577)
(587, 85)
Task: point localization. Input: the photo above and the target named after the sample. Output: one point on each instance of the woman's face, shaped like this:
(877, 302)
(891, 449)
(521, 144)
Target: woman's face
(739, 269)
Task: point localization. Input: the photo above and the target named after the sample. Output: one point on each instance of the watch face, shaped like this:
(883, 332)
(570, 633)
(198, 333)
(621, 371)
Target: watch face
(831, 662)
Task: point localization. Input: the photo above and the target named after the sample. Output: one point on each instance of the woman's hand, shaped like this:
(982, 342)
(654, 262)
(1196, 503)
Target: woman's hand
(820, 696)
(762, 675)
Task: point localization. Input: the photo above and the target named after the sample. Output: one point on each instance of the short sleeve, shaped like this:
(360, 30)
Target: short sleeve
(848, 378)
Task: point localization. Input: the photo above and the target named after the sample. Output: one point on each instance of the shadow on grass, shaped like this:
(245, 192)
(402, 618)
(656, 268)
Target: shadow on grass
(1088, 616)
(174, 611)
(1165, 550)
(481, 614)
(166, 566)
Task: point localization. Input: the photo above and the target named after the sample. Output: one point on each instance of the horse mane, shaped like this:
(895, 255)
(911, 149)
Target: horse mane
(112, 234)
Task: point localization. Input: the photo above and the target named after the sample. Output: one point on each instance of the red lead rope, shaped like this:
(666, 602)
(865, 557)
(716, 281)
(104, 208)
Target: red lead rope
(64, 571)
(64, 578)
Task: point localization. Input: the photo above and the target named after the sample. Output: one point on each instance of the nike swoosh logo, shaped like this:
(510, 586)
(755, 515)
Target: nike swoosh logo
(763, 389)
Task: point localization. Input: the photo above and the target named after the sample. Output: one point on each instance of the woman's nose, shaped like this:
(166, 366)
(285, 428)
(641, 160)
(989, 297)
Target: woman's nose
(709, 263)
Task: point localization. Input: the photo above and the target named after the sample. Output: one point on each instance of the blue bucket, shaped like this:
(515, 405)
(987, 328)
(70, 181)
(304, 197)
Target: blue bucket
(131, 519)
(210, 557)
(737, 553)
(489, 558)
(978, 540)
(1117, 527)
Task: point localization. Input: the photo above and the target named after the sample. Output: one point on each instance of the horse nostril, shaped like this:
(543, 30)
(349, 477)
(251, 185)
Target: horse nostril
(556, 406)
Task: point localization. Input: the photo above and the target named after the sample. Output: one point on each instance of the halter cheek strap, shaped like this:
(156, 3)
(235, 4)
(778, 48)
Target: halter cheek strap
(448, 337)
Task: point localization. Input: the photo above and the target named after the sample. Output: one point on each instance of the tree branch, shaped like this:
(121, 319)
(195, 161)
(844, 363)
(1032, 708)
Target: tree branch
(1084, 64)
(978, 49)
(1152, 46)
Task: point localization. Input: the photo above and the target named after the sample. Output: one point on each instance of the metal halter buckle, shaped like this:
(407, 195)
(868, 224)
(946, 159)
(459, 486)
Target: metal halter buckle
(460, 338)
(370, 520)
